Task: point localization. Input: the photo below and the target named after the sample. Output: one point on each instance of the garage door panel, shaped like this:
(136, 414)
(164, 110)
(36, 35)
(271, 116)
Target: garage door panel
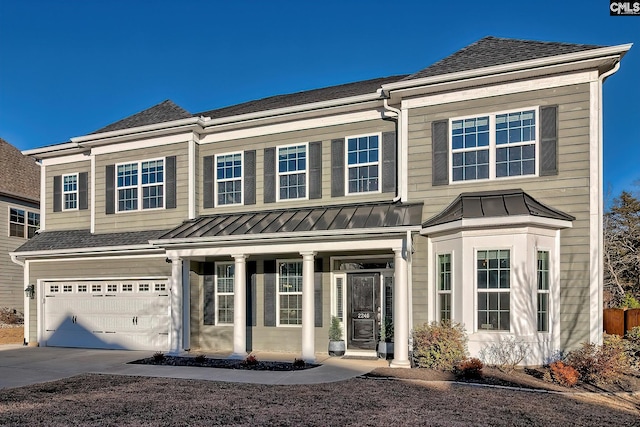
(107, 315)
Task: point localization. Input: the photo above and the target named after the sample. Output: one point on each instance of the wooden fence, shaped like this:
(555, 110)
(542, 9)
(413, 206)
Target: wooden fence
(617, 320)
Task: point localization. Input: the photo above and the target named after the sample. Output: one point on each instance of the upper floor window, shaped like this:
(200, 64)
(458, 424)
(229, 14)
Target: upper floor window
(229, 179)
(292, 172)
(494, 146)
(363, 164)
(140, 185)
(70, 191)
(23, 223)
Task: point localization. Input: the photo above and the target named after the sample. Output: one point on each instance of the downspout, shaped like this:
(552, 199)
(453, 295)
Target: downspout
(410, 286)
(399, 145)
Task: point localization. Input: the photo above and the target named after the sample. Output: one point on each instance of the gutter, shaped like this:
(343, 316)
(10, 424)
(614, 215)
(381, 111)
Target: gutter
(401, 146)
(15, 260)
(85, 251)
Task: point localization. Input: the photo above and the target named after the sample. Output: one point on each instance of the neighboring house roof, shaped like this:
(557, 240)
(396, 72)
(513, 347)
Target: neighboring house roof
(301, 98)
(19, 174)
(491, 204)
(166, 111)
(78, 239)
(492, 51)
(338, 217)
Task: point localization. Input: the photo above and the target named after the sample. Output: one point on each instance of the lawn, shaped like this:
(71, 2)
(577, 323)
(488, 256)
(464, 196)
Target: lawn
(120, 400)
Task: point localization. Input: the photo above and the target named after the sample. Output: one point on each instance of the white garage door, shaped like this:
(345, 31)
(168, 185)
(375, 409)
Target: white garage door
(130, 315)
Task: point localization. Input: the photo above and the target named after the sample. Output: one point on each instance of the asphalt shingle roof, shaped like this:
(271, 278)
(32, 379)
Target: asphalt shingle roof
(494, 204)
(78, 239)
(491, 51)
(166, 111)
(19, 174)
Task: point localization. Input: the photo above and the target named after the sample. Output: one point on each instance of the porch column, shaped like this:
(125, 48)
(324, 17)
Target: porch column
(239, 307)
(308, 308)
(186, 305)
(400, 313)
(175, 285)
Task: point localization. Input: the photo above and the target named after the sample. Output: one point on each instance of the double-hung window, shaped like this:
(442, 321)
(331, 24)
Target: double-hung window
(543, 291)
(229, 179)
(493, 283)
(444, 286)
(23, 223)
(363, 164)
(290, 293)
(140, 185)
(224, 292)
(292, 172)
(70, 191)
(494, 146)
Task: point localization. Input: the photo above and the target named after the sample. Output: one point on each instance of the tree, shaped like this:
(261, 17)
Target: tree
(622, 247)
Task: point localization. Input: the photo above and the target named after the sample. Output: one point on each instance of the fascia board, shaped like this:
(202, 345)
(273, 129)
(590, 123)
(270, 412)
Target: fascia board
(497, 222)
(280, 237)
(141, 133)
(137, 249)
(53, 150)
(619, 50)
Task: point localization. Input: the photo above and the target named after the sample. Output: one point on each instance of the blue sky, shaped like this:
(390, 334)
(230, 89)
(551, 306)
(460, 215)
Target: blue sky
(70, 67)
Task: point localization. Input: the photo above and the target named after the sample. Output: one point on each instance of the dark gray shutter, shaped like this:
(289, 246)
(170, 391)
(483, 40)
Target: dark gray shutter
(315, 170)
(57, 193)
(440, 152)
(317, 292)
(251, 293)
(83, 191)
(170, 178)
(250, 177)
(110, 189)
(337, 167)
(269, 184)
(549, 140)
(209, 296)
(270, 293)
(207, 182)
(389, 157)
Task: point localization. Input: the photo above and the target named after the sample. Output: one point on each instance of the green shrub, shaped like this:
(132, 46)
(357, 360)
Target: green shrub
(600, 364)
(505, 354)
(335, 330)
(439, 345)
(629, 301)
(469, 368)
(564, 375)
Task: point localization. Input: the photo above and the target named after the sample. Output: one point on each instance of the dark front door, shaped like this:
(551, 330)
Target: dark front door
(363, 295)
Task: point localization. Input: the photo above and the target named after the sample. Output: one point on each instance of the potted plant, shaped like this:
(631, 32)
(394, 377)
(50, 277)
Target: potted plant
(385, 343)
(336, 344)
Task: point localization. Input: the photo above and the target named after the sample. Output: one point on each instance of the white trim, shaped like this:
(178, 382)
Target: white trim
(43, 195)
(403, 162)
(305, 124)
(280, 261)
(63, 160)
(158, 141)
(595, 217)
(514, 66)
(497, 222)
(501, 89)
(140, 186)
(87, 251)
(98, 138)
(306, 172)
(27, 300)
(358, 164)
(76, 192)
(215, 174)
(191, 184)
(92, 196)
(50, 149)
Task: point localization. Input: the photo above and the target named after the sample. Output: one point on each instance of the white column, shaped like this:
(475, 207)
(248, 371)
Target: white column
(308, 308)
(186, 306)
(240, 307)
(27, 302)
(175, 284)
(400, 313)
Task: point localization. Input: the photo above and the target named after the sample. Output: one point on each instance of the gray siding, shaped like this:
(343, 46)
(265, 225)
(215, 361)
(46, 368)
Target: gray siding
(568, 191)
(66, 220)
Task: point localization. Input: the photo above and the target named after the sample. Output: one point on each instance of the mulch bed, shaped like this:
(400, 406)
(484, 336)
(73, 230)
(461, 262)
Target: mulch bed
(225, 363)
(11, 334)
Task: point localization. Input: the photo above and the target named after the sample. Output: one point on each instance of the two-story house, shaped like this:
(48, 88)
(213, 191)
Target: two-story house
(19, 219)
(470, 190)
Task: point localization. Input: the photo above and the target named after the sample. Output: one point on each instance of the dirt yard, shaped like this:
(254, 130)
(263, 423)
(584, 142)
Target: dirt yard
(11, 334)
(118, 400)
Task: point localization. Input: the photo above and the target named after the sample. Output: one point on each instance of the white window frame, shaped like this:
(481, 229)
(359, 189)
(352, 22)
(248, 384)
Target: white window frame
(26, 226)
(439, 291)
(547, 291)
(215, 171)
(478, 290)
(357, 165)
(140, 187)
(218, 294)
(493, 147)
(279, 293)
(305, 171)
(66, 193)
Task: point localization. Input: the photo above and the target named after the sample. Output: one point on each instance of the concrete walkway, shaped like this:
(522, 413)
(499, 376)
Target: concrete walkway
(20, 366)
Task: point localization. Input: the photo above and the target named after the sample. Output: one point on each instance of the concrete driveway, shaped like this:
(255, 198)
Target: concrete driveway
(20, 366)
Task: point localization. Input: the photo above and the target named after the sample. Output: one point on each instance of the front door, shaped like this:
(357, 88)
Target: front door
(363, 295)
